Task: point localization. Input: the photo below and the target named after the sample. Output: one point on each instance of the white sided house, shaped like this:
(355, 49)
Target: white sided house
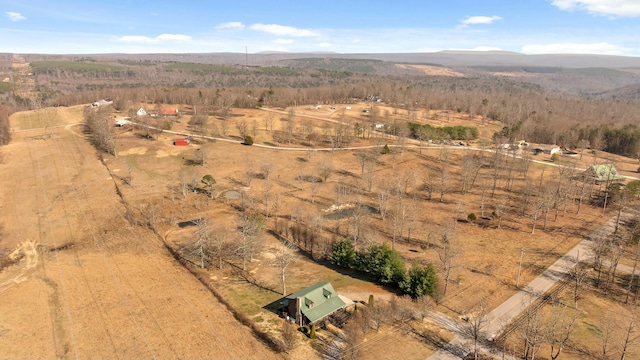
(141, 112)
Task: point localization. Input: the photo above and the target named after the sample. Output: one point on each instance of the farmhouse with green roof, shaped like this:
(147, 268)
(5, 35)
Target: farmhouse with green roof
(310, 305)
(603, 173)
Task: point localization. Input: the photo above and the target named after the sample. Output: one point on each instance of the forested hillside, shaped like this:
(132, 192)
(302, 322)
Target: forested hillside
(566, 106)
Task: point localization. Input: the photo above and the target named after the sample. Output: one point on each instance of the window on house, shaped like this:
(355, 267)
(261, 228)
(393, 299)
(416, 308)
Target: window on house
(326, 293)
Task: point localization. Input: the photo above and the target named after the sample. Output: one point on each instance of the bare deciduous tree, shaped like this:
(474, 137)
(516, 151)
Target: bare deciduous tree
(475, 322)
(613, 256)
(251, 226)
(579, 276)
(559, 328)
(289, 336)
(378, 313)
(636, 256)
(201, 247)
(532, 332)
(325, 169)
(249, 172)
(605, 334)
(352, 338)
(470, 167)
(285, 255)
(266, 168)
(221, 248)
(447, 254)
(424, 304)
(629, 338)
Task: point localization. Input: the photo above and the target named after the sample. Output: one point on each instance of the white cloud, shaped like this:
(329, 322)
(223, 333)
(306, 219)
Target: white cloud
(324, 45)
(141, 39)
(282, 30)
(474, 20)
(602, 48)
(173, 37)
(283, 41)
(613, 8)
(14, 16)
(233, 25)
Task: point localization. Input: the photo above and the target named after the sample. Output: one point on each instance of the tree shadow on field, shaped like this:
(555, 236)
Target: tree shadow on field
(192, 162)
(235, 181)
(346, 173)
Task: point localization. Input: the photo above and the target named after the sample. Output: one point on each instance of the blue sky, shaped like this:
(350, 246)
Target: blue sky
(115, 26)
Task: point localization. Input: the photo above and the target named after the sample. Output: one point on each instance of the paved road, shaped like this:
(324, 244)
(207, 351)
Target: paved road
(513, 307)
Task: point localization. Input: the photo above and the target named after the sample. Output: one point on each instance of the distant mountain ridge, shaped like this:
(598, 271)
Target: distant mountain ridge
(452, 58)
(592, 76)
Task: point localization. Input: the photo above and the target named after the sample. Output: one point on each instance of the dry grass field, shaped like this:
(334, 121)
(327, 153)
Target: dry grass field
(96, 287)
(100, 276)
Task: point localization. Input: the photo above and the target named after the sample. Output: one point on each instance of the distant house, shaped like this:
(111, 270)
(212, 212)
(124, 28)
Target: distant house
(141, 112)
(169, 112)
(347, 107)
(102, 102)
(313, 304)
(603, 173)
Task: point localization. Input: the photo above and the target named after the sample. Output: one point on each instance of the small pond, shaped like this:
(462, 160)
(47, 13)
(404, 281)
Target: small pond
(345, 213)
(232, 195)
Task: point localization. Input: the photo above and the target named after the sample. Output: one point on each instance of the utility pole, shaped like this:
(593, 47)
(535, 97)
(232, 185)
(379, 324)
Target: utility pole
(519, 267)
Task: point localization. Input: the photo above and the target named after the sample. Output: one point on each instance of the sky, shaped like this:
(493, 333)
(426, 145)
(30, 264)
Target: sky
(610, 27)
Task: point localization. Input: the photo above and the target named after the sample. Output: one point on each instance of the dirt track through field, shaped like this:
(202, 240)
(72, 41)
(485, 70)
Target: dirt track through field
(101, 288)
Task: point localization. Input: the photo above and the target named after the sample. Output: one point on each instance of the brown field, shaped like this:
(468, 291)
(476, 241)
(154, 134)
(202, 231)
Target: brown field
(432, 70)
(98, 287)
(102, 277)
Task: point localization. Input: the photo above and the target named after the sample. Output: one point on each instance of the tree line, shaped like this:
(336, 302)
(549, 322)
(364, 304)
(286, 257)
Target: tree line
(386, 266)
(5, 129)
(426, 131)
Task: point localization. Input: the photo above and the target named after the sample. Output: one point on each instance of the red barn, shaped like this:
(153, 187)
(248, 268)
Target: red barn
(181, 142)
(169, 112)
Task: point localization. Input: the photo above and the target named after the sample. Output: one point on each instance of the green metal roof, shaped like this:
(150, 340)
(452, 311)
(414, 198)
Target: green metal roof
(318, 300)
(604, 172)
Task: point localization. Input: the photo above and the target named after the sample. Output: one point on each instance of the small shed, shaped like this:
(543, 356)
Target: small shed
(181, 141)
(141, 112)
(313, 304)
